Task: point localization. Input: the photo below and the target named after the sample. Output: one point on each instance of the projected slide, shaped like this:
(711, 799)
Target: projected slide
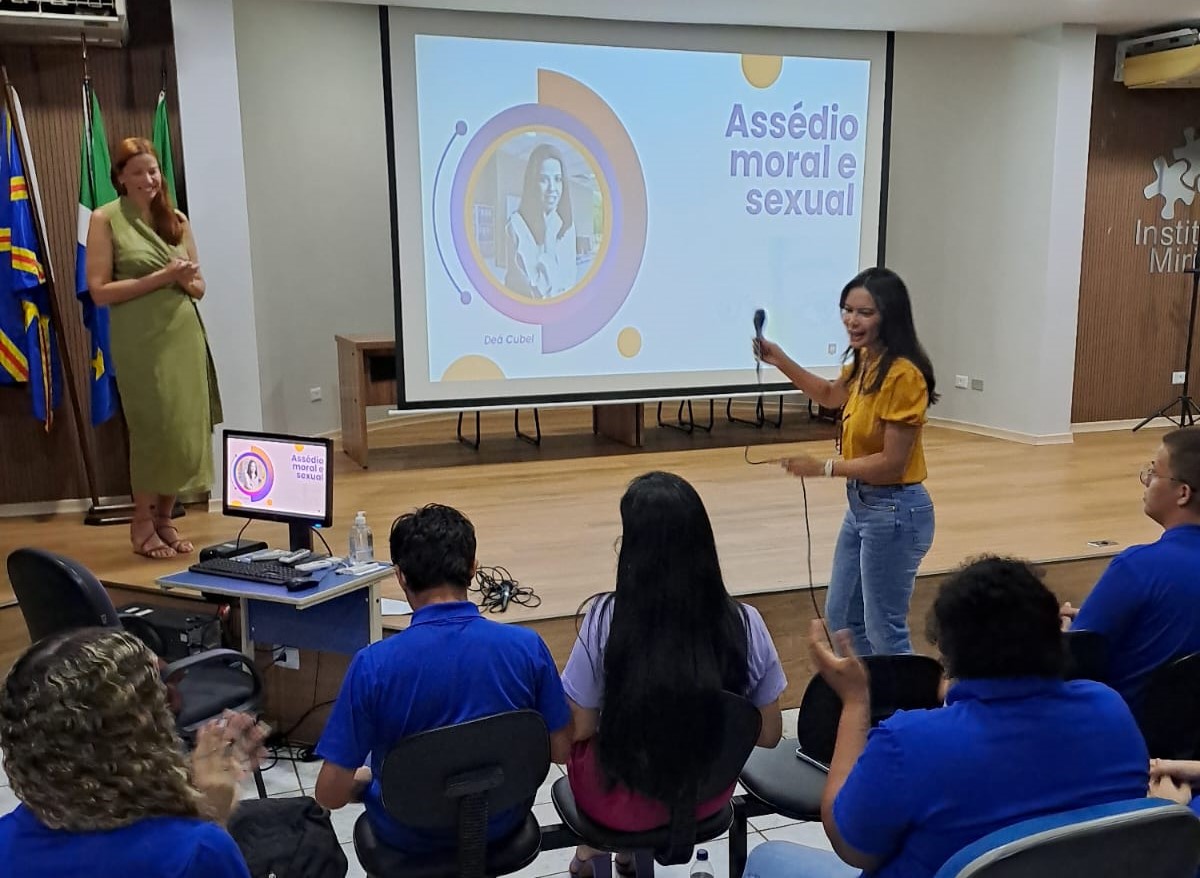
(276, 477)
(615, 215)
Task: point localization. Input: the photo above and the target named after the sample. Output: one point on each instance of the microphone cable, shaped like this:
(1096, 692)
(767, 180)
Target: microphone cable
(759, 320)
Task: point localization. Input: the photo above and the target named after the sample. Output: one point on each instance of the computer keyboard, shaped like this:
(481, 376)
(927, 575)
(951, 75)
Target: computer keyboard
(268, 572)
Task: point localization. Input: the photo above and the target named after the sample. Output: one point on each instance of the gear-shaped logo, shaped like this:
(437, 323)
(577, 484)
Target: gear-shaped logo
(1178, 180)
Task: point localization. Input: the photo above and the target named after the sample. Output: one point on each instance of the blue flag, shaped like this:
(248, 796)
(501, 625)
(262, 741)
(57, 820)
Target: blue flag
(95, 189)
(25, 279)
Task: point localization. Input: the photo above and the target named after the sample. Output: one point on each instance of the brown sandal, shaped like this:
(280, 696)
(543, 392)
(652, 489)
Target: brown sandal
(169, 534)
(146, 547)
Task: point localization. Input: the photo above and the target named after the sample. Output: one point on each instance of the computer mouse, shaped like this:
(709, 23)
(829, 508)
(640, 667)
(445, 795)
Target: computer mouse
(302, 584)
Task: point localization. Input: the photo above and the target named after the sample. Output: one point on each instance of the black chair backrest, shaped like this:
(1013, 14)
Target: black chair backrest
(741, 724)
(1086, 656)
(898, 682)
(1169, 713)
(451, 778)
(57, 594)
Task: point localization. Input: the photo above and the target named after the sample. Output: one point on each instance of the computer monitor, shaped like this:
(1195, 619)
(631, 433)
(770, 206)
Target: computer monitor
(273, 477)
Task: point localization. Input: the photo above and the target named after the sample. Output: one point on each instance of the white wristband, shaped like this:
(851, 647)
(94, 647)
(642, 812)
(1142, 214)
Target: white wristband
(829, 468)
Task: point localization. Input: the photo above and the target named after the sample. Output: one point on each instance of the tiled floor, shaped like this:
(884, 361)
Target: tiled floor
(289, 778)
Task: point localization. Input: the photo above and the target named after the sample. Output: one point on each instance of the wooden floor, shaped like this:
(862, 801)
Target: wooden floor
(550, 515)
(552, 520)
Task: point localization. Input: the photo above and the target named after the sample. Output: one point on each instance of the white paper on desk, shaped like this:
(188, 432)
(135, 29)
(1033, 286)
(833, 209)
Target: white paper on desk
(390, 607)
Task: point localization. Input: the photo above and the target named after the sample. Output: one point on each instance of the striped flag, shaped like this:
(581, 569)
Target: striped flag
(95, 189)
(24, 281)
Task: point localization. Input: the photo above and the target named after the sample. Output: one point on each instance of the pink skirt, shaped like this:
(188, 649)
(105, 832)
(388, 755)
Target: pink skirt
(618, 807)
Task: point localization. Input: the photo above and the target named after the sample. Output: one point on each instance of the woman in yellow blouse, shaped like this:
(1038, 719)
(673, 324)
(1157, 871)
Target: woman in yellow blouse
(884, 390)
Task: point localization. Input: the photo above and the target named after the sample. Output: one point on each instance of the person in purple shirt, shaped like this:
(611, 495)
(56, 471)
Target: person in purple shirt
(646, 672)
(91, 752)
(1014, 740)
(1147, 603)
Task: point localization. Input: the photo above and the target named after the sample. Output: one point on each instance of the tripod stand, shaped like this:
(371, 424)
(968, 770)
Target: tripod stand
(1188, 410)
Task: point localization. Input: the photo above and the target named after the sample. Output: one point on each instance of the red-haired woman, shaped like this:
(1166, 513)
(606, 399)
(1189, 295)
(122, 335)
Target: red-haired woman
(142, 264)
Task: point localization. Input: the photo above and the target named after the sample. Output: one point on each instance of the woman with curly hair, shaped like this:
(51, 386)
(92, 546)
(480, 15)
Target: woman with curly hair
(91, 751)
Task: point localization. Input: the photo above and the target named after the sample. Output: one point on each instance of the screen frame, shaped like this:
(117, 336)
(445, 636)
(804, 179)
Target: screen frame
(281, 518)
(640, 395)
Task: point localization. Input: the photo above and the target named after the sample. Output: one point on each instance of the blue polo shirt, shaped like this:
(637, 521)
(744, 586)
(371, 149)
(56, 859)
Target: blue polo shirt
(931, 782)
(1147, 606)
(449, 666)
(154, 847)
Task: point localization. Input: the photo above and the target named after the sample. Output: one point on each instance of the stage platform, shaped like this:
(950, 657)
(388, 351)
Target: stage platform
(550, 514)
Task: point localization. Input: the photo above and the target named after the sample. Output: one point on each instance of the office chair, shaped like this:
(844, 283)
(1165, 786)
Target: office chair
(1149, 838)
(451, 780)
(672, 844)
(57, 594)
(1086, 655)
(1169, 713)
(792, 787)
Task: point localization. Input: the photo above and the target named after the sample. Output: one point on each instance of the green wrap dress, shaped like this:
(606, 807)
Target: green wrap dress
(164, 369)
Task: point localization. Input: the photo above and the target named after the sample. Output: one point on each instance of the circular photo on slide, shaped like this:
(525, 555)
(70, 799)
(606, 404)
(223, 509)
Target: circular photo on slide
(537, 215)
(250, 473)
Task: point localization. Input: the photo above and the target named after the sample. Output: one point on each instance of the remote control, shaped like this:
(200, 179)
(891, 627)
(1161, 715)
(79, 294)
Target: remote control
(360, 569)
(319, 564)
(263, 555)
(293, 557)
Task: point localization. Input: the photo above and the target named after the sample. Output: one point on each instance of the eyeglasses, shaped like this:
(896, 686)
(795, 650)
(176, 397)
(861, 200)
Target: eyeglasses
(1147, 475)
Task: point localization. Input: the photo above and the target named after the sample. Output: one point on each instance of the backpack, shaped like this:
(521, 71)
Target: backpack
(287, 838)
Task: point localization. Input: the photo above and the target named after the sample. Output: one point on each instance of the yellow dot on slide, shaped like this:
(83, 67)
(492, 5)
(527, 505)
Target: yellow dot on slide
(299, 447)
(761, 71)
(629, 342)
(473, 367)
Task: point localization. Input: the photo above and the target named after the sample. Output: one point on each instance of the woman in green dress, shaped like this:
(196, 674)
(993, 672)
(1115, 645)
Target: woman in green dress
(142, 264)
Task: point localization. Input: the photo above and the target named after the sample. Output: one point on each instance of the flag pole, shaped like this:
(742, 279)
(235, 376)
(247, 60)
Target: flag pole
(85, 445)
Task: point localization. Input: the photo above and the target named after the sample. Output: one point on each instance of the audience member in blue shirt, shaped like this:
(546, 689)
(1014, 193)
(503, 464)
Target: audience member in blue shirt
(1147, 603)
(1014, 741)
(449, 666)
(91, 752)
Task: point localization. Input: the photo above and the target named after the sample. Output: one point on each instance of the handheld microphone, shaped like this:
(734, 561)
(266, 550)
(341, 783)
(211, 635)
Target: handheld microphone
(760, 319)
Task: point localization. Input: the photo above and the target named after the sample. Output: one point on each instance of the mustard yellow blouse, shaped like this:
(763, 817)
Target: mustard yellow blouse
(903, 398)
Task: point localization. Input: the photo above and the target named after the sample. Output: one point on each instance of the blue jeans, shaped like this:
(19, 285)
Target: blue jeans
(885, 534)
(783, 859)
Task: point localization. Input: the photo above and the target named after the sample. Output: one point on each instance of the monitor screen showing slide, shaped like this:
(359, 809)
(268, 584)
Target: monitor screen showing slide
(280, 478)
(595, 219)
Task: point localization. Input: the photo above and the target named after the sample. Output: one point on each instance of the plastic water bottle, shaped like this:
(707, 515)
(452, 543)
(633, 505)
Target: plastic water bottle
(701, 867)
(362, 542)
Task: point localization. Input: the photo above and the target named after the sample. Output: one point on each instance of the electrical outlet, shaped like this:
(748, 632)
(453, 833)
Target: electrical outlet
(962, 382)
(977, 384)
(314, 394)
(288, 657)
(831, 349)
(1177, 377)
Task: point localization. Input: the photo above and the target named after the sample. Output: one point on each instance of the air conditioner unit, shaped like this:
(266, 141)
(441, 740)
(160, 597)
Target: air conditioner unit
(100, 22)
(1168, 59)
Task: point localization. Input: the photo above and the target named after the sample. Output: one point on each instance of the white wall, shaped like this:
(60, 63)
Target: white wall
(311, 90)
(988, 173)
(211, 128)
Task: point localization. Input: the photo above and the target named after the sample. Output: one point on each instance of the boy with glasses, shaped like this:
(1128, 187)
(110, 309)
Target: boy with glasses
(1147, 603)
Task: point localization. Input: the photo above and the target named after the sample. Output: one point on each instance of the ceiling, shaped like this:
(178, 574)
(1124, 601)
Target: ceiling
(945, 16)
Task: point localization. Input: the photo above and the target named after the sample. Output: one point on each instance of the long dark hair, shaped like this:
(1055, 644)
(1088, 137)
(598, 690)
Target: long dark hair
(531, 196)
(676, 640)
(897, 333)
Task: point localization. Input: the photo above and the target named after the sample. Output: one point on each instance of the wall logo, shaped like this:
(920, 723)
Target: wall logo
(1171, 244)
(1176, 181)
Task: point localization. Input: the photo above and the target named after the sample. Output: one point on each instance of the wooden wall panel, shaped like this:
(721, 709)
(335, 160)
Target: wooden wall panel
(1132, 319)
(36, 466)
